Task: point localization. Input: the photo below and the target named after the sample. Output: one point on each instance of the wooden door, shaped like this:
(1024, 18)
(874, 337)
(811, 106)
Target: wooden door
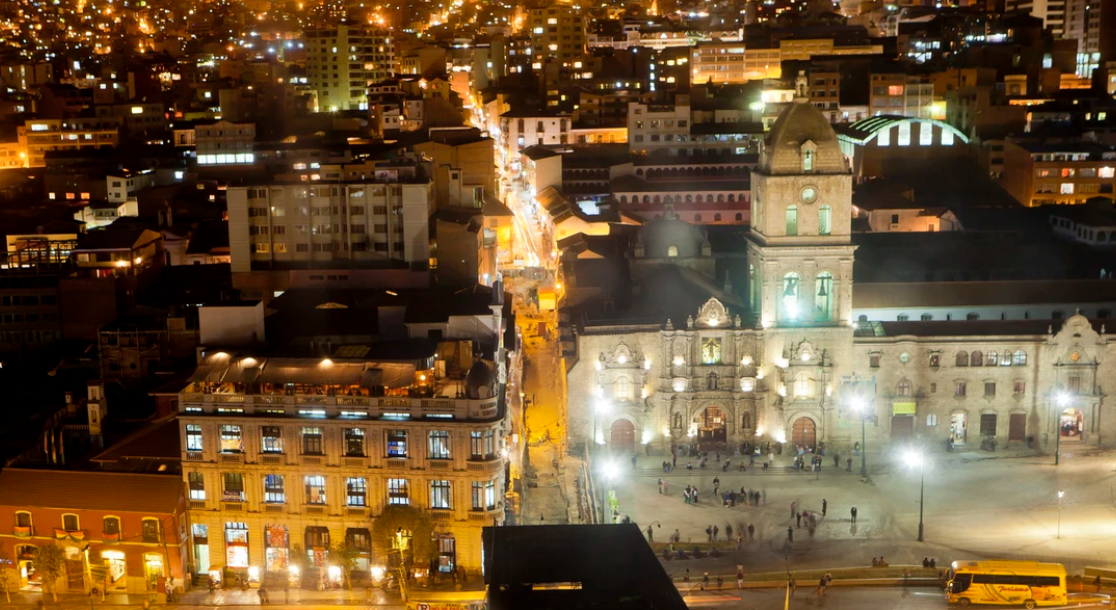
(902, 428)
(623, 436)
(803, 433)
(1017, 427)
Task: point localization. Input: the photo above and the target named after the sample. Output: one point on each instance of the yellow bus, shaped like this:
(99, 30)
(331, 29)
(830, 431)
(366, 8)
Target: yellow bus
(1019, 583)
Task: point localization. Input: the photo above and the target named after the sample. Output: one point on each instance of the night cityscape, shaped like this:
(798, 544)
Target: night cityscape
(645, 305)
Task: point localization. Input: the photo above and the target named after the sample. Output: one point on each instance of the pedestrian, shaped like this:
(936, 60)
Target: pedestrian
(828, 578)
(732, 498)
(739, 541)
(751, 532)
(728, 531)
(1096, 581)
(660, 486)
(633, 462)
(853, 511)
(262, 593)
(720, 581)
(718, 454)
(821, 587)
(716, 487)
(716, 530)
(739, 577)
(709, 533)
(799, 519)
(673, 460)
(686, 578)
(794, 505)
(824, 505)
(790, 534)
(848, 464)
(677, 536)
(650, 534)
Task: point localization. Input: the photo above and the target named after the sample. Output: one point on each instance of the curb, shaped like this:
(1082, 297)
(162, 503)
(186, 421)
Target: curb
(779, 584)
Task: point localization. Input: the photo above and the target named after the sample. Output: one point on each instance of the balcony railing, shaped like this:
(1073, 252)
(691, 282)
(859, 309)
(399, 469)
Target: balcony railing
(388, 407)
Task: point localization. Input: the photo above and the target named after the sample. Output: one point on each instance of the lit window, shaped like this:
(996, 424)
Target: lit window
(904, 134)
(947, 137)
(397, 491)
(1067, 188)
(315, 489)
(883, 138)
(441, 495)
(926, 134)
(231, 439)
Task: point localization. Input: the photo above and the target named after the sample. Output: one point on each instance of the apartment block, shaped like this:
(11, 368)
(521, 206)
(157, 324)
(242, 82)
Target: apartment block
(730, 62)
(658, 127)
(904, 95)
(40, 136)
(342, 62)
(1037, 174)
(558, 33)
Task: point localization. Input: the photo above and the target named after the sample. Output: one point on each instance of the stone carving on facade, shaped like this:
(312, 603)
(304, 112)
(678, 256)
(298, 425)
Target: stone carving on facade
(713, 314)
(689, 321)
(622, 356)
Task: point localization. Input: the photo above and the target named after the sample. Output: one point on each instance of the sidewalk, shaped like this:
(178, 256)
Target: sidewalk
(201, 596)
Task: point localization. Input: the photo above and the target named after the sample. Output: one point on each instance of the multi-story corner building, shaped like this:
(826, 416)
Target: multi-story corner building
(905, 95)
(658, 127)
(341, 62)
(1038, 174)
(351, 220)
(730, 62)
(522, 128)
(40, 136)
(225, 143)
(557, 33)
(286, 455)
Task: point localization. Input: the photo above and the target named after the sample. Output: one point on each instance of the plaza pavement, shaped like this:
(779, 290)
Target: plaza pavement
(978, 505)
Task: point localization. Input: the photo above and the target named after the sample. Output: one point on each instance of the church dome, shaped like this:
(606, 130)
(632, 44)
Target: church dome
(802, 129)
(671, 237)
(479, 382)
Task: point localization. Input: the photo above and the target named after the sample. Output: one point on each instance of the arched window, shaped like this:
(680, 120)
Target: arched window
(926, 317)
(991, 358)
(903, 389)
(1005, 359)
(732, 198)
(962, 359)
(902, 317)
(112, 525)
(716, 218)
(746, 421)
(70, 522)
(792, 220)
(823, 297)
(739, 217)
(976, 359)
(689, 198)
(623, 199)
(23, 519)
(672, 251)
(807, 160)
(825, 219)
(1019, 358)
(803, 385)
(150, 530)
(790, 296)
(622, 389)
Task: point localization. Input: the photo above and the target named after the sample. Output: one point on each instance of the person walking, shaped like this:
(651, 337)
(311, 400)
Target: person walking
(660, 486)
(790, 534)
(739, 541)
(716, 530)
(739, 577)
(673, 460)
(751, 532)
(853, 511)
(848, 464)
(824, 505)
(709, 533)
(794, 505)
(798, 517)
(821, 587)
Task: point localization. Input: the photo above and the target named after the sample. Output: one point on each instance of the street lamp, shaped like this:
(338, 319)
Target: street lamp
(1063, 402)
(860, 405)
(1060, 494)
(915, 458)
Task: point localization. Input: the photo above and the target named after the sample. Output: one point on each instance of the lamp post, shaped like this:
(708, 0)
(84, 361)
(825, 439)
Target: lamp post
(609, 471)
(1063, 402)
(916, 458)
(860, 405)
(1060, 494)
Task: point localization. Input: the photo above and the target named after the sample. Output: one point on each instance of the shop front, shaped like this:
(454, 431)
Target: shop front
(29, 577)
(1071, 425)
(154, 575)
(236, 546)
(277, 553)
(447, 552)
(200, 535)
(959, 429)
(116, 571)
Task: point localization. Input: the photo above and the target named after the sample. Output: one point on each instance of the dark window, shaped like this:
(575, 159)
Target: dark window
(112, 525)
(988, 424)
(150, 530)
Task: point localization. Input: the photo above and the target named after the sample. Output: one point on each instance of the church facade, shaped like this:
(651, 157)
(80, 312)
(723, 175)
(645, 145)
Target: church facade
(788, 363)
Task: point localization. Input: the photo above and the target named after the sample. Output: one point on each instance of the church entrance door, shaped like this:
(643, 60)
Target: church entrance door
(623, 436)
(804, 433)
(712, 429)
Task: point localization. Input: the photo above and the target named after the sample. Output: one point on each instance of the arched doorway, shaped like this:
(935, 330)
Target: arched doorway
(804, 433)
(1071, 424)
(623, 436)
(712, 429)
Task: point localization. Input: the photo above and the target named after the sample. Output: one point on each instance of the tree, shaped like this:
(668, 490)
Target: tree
(345, 556)
(9, 576)
(49, 561)
(419, 548)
